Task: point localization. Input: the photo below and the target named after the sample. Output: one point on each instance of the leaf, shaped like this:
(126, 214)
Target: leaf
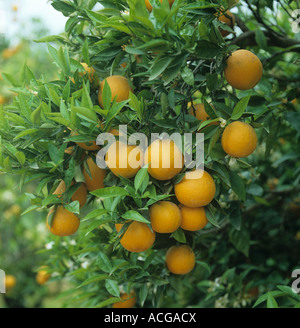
(179, 236)
(109, 192)
(94, 279)
(260, 39)
(95, 213)
(112, 287)
(237, 185)
(159, 66)
(240, 108)
(241, 240)
(141, 179)
(135, 216)
(104, 262)
(187, 76)
(271, 302)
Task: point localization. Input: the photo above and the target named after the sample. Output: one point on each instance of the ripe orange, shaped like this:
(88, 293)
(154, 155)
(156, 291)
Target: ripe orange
(244, 70)
(196, 189)
(149, 7)
(164, 158)
(198, 110)
(137, 238)
(80, 194)
(239, 139)
(127, 301)
(124, 160)
(193, 218)
(228, 19)
(119, 87)
(165, 217)
(180, 259)
(88, 145)
(95, 181)
(42, 276)
(64, 222)
(10, 282)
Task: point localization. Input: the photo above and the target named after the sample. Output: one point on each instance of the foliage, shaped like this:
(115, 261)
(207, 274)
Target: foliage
(173, 56)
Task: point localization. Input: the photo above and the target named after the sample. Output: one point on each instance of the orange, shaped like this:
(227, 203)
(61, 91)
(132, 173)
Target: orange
(42, 276)
(164, 158)
(239, 139)
(119, 87)
(137, 238)
(149, 7)
(95, 181)
(198, 110)
(88, 145)
(64, 222)
(244, 70)
(196, 189)
(180, 259)
(193, 218)
(69, 150)
(228, 19)
(80, 194)
(127, 301)
(10, 282)
(2, 100)
(88, 70)
(124, 160)
(165, 217)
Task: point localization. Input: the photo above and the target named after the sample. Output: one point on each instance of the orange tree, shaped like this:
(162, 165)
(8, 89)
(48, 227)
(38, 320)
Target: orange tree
(214, 237)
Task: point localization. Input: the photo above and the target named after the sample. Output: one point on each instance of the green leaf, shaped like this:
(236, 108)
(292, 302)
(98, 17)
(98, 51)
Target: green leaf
(93, 279)
(135, 216)
(104, 262)
(179, 236)
(271, 302)
(109, 192)
(159, 67)
(112, 287)
(240, 108)
(237, 185)
(241, 240)
(141, 180)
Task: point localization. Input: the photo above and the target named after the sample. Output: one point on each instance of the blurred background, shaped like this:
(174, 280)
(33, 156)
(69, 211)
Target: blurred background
(23, 238)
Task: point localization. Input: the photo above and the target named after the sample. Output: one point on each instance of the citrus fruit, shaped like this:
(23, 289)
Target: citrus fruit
(228, 19)
(10, 282)
(95, 181)
(196, 189)
(87, 145)
(244, 70)
(198, 110)
(64, 222)
(80, 194)
(137, 238)
(149, 7)
(165, 217)
(124, 160)
(42, 276)
(119, 87)
(164, 158)
(127, 301)
(180, 259)
(239, 139)
(193, 218)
